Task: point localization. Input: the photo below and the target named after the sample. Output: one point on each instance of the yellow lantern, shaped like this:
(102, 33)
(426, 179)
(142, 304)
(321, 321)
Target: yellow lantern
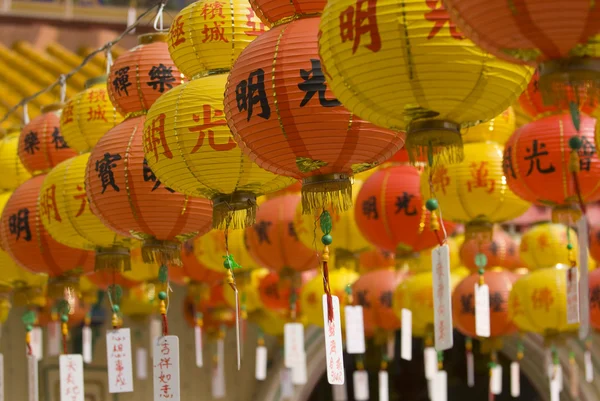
(270, 323)
(312, 294)
(210, 35)
(416, 294)
(247, 284)
(424, 264)
(88, 116)
(545, 245)
(210, 250)
(474, 191)
(140, 271)
(538, 302)
(402, 64)
(498, 129)
(140, 301)
(66, 214)
(88, 291)
(13, 171)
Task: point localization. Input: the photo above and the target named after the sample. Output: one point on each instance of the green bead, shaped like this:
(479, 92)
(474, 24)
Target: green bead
(64, 318)
(481, 260)
(575, 142)
(431, 204)
(227, 264)
(29, 327)
(116, 308)
(569, 246)
(327, 239)
(481, 271)
(162, 295)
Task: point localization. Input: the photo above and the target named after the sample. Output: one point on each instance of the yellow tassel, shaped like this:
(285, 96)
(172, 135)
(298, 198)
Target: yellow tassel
(440, 365)
(574, 162)
(163, 307)
(229, 277)
(384, 365)
(360, 365)
(28, 338)
(434, 223)
(65, 329)
(481, 280)
(115, 320)
(261, 342)
(325, 255)
(199, 322)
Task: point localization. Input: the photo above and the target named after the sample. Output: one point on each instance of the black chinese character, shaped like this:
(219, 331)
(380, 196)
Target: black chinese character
(31, 142)
(18, 223)
(314, 81)
(496, 302)
(586, 152)
(494, 248)
(57, 140)
(512, 249)
(535, 152)
(362, 298)
(595, 297)
(262, 228)
(466, 304)
(507, 163)
(386, 299)
(272, 291)
(121, 82)
(161, 76)
(104, 168)
(292, 230)
(251, 92)
(188, 247)
(149, 176)
(369, 208)
(403, 203)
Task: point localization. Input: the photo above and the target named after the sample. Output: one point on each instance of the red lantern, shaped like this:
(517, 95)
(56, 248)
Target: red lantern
(594, 284)
(275, 290)
(272, 11)
(501, 251)
(500, 283)
(273, 241)
(391, 213)
(105, 278)
(195, 270)
(375, 259)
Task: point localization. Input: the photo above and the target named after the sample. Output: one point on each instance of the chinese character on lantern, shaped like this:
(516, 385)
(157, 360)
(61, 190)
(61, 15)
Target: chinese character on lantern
(313, 82)
(440, 17)
(31, 142)
(262, 230)
(403, 204)
(18, 223)
(48, 207)
(81, 197)
(176, 32)
(369, 208)
(161, 76)
(534, 155)
(250, 23)
(251, 92)
(440, 179)
(104, 168)
(121, 81)
(155, 134)
(360, 20)
(479, 174)
(542, 298)
(209, 121)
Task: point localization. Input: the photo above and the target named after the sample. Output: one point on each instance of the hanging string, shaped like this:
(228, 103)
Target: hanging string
(86, 60)
(109, 59)
(230, 264)
(28, 320)
(25, 114)
(163, 296)
(576, 143)
(326, 226)
(435, 212)
(62, 81)
(65, 331)
(114, 303)
(158, 20)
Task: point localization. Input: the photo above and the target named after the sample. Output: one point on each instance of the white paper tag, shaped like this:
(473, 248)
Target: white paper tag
(496, 380)
(198, 345)
(218, 372)
(260, 371)
(32, 378)
(360, 378)
(1, 377)
(131, 17)
(470, 370)
(548, 362)
(584, 306)
(166, 369)
(119, 363)
(572, 296)
(482, 310)
(287, 388)
(406, 335)
(299, 371)
(442, 300)
(54, 338)
(430, 389)
(155, 331)
(574, 380)
(440, 386)
(515, 379)
(355, 329)
(37, 343)
(86, 334)
(384, 386)
(554, 389)
(339, 392)
(431, 363)
(559, 377)
(141, 363)
(391, 346)
(333, 342)
(71, 377)
(293, 342)
(589, 368)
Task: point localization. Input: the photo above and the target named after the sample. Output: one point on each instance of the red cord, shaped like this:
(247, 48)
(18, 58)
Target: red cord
(64, 341)
(578, 191)
(437, 235)
(165, 326)
(29, 349)
(327, 290)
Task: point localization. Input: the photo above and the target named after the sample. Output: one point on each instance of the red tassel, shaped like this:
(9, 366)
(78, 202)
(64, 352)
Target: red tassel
(165, 325)
(29, 349)
(64, 341)
(327, 290)
(578, 191)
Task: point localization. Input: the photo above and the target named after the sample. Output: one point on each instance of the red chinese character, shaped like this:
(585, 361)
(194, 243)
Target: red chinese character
(356, 22)
(97, 114)
(331, 328)
(479, 172)
(70, 378)
(155, 134)
(215, 33)
(440, 179)
(67, 115)
(332, 347)
(164, 378)
(166, 391)
(252, 24)
(118, 348)
(176, 32)
(96, 95)
(208, 123)
(542, 298)
(441, 330)
(440, 16)
(165, 350)
(165, 363)
(48, 206)
(212, 10)
(83, 198)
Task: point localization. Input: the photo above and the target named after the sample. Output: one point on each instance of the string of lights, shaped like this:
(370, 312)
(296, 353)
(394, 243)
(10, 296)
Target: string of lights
(62, 79)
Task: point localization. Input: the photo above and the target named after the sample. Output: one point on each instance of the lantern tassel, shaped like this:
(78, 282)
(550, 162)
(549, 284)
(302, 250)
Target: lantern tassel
(161, 252)
(234, 211)
(112, 258)
(58, 285)
(326, 191)
(442, 139)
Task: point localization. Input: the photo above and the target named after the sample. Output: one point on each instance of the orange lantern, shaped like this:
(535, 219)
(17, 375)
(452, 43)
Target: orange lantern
(273, 241)
(275, 290)
(271, 12)
(195, 270)
(77, 312)
(139, 76)
(41, 145)
(500, 250)
(500, 283)
(285, 119)
(391, 212)
(26, 240)
(103, 279)
(539, 166)
(375, 259)
(126, 195)
(594, 284)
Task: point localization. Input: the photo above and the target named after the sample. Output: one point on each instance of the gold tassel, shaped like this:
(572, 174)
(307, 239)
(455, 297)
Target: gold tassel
(57, 285)
(442, 139)
(167, 253)
(112, 258)
(574, 163)
(234, 211)
(561, 80)
(331, 191)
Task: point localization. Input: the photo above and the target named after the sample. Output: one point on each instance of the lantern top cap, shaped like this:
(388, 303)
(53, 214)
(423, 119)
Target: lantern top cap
(52, 107)
(97, 80)
(153, 37)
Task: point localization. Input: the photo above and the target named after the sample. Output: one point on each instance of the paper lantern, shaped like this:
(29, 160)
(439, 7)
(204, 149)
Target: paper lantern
(594, 285)
(177, 127)
(129, 198)
(273, 241)
(26, 240)
(67, 216)
(404, 65)
(88, 116)
(424, 263)
(535, 214)
(545, 245)
(498, 129)
(416, 294)
(500, 283)
(41, 144)
(14, 172)
(248, 286)
(474, 191)
(210, 250)
(270, 323)
(375, 259)
(538, 167)
(311, 297)
(501, 250)
(289, 123)
(390, 211)
(375, 292)
(538, 302)
(140, 301)
(195, 270)
(103, 279)
(277, 12)
(77, 311)
(139, 76)
(209, 35)
(276, 290)
(142, 271)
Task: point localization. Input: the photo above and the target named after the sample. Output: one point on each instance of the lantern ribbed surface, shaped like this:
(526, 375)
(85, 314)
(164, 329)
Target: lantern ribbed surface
(545, 245)
(210, 249)
(498, 129)
(280, 11)
(14, 172)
